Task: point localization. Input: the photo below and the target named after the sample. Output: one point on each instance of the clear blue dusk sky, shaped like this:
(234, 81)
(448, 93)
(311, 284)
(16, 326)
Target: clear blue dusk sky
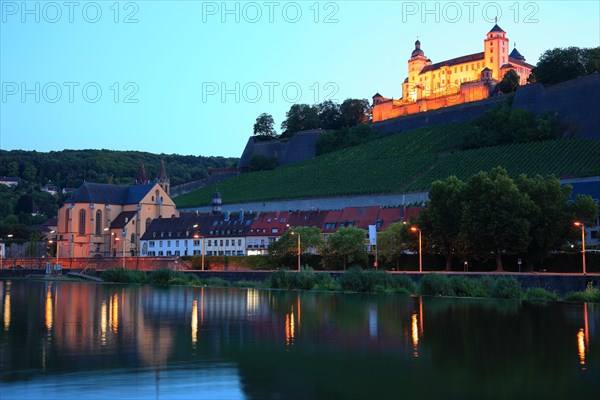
(190, 77)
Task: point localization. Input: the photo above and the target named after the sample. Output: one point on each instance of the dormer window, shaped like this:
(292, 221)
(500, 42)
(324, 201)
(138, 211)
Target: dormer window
(162, 234)
(153, 234)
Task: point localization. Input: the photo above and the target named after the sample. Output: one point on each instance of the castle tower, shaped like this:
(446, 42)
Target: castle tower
(496, 50)
(416, 63)
(216, 203)
(140, 177)
(162, 179)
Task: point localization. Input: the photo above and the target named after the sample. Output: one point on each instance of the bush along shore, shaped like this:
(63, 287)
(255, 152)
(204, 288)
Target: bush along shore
(365, 281)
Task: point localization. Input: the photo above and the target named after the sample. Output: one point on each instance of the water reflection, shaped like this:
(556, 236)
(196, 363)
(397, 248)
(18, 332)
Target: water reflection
(114, 313)
(49, 308)
(103, 322)
(194, 322)
(160, 333)
(7, 307)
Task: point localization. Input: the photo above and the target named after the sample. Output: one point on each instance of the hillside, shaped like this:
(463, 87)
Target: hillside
(69, 168)
(402, 163)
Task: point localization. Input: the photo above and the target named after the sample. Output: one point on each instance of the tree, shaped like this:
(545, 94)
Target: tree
(559, 65)
(393, 242)
(441, 221)
(329, 114)
(354, 112)
(550, 219)
(509, 83)
(584, 209)
(347, 244)
(300, 117)
(495, 219)
(310, 238)
(264, 126)
(258, 162)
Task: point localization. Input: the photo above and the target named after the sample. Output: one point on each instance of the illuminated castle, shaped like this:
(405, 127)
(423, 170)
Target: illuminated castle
(459, 80)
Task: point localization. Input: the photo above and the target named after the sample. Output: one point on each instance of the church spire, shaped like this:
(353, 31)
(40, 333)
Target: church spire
(141, 178)
(163, 178)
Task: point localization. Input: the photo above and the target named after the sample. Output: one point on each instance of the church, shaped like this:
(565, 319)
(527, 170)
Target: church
(101, 220)
(459, 80)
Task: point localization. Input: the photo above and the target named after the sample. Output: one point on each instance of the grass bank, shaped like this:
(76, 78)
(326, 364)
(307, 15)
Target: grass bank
(366, 281)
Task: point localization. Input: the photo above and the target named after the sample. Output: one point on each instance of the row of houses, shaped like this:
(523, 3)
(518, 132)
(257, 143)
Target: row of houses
(241, 234)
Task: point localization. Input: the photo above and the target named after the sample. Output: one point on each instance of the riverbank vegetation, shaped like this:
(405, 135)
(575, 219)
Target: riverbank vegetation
(357, 280)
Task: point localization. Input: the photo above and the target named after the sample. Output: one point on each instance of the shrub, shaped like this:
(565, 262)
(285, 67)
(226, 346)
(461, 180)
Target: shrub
(590, 295)
(120, 275)
(435, 285)
(326, 282)
(161, 276)
(217, 282)
(179, 281)
(540, 294)
(279, 279)
(403, 284)
(247, 284)
(506, 288)
(464, 287)
(355, 280)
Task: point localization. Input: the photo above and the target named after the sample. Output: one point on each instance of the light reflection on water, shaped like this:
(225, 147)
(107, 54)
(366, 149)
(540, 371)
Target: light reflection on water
(67, 339)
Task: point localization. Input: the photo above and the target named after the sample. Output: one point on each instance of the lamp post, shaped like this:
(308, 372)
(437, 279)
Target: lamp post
(196, 236)
(580, 225)
(56, 240)
(2, 250)
(297, 234)
(415, 229)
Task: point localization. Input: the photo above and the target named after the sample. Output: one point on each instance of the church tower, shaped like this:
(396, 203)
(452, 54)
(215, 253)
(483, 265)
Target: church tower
(416, 63)
(216, 203)
(140, 177)
(162, 179)
(496, 50)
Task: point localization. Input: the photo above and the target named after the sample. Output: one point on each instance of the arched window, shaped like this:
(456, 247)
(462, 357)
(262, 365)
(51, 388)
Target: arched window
(156, 193)
(148, 220)
(98, 222)
(67, 218)
(81, 230)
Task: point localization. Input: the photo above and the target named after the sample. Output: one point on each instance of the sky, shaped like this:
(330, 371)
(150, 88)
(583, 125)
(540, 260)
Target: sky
(191, 77)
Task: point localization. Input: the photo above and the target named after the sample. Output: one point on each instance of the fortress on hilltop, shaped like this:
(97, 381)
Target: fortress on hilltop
(459, 80)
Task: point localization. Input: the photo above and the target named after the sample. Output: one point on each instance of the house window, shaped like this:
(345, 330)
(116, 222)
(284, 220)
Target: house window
(221, 242)
(151, 243)
(160, 243)
(239, 242)
(196, 242)
(169, 252)
(208, 243)
(132, 240)
(227, 242)
(177, 243)
(81, 230)
(177, 253)
(98, 222)
(274, 230)
(168, 243)
(161, 253)
(148, 220)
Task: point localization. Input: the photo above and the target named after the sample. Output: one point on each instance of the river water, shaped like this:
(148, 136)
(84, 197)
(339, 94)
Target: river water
(62, 340)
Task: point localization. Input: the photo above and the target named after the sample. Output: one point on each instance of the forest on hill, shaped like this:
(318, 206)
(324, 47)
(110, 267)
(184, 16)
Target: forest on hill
(69, 168)
(27, 205)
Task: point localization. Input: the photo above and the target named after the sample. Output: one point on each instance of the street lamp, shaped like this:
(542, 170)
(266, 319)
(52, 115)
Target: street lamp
(580, 225)
(415, 229)
(50, 241)
(2, 250)
(298, 234)
(196, 236)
